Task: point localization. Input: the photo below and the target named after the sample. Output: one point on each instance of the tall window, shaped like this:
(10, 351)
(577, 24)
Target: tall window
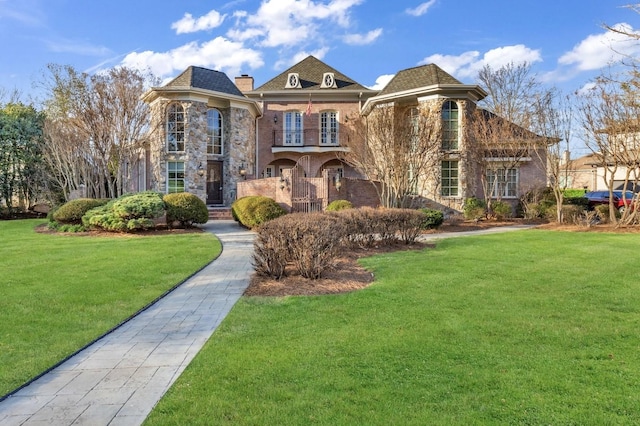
(449, 178)
(329, 128)
(175, 176)
(503, 183)
(214, 132)
(293, 128)
(175, 128)
(450, 125)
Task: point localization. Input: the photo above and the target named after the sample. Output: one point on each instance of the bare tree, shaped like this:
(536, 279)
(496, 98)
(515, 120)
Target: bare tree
(618, 30)
(608, 113)
(107, 121)
(554, 119)
(398, 147)
(502, 128)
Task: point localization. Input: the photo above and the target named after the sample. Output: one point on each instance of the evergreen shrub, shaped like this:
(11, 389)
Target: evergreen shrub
(72, 211)
(433, 219)
(185, 209)
(474, 209)
(252, 211)
(338, 205)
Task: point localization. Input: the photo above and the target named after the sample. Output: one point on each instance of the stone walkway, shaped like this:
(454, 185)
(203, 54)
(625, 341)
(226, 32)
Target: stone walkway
(120, 378)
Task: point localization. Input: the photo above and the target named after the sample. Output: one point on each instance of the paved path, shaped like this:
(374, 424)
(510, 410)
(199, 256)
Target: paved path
(119, 379)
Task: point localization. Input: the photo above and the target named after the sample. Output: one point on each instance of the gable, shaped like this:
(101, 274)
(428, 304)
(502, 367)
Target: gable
(311, 73)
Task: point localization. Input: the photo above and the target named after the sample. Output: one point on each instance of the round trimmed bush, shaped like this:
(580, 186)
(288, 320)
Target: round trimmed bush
(338, 205)
(432, 219)
(71, 212)
(185, 209)
(255, 210)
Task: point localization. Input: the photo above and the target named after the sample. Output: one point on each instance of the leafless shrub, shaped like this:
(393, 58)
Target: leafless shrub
(585, 218)
(315, 241)
(270, 250)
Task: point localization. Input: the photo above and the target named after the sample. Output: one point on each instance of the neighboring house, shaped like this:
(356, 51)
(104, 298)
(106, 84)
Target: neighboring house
(285, 138)
(591, 173)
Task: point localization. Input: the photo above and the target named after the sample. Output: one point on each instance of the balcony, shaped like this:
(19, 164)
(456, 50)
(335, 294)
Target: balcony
(308, 141)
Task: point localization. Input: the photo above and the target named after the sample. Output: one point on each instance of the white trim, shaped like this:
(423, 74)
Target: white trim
(308, 149)
(507, 159)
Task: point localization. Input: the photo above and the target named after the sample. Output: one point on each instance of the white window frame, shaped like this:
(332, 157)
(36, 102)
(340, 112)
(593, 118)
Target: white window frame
(329, 128)
(503, 182)
(448, 190)
(178, 178)
(176, 122)
(293, 131)
(450, 125)
(269, 171)
(215, 141)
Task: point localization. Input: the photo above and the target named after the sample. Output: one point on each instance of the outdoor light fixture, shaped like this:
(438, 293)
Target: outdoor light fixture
(275, 118)
(242, 171)
(338, 183)
(201, 170)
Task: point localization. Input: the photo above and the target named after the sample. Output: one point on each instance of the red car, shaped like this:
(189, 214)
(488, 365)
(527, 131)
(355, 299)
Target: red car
(602, 197)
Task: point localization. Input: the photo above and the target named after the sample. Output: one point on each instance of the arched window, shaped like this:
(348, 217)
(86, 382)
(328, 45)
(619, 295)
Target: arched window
(214, 132)
(450, 125)
(175, 128)
(329, 128)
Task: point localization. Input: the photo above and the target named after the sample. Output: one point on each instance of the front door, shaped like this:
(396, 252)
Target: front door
(214, 182)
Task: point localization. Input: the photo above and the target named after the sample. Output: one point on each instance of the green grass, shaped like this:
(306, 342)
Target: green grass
(59, 292)
(533, 327)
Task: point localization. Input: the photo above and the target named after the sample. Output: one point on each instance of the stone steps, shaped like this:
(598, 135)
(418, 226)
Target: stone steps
(220, 213)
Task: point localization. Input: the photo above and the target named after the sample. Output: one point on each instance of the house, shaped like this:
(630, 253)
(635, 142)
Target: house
(592, 173)
(287, 138)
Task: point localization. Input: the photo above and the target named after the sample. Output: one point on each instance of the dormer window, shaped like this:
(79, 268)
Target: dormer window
(328, 81)
(293, 81)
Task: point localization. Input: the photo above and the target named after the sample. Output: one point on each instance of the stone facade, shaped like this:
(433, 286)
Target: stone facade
(238, 148)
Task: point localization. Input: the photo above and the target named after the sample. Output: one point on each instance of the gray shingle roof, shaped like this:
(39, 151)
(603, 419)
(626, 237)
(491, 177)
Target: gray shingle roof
(422, 76)
(203, 78)
(310, 71)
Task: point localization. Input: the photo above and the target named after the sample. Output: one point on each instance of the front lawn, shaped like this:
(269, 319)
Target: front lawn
(59, 292)
(531, 327)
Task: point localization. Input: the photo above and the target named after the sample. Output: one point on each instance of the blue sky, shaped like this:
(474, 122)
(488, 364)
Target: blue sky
(368, 40)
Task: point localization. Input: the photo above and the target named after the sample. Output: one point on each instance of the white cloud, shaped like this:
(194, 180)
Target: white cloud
(362, 39)
(450, 63)
(469, 63)
(421, 9)
(285, 63)
(289, 26)
(292, 22)
(188, 24)
(382, 81)
(599, 50)
(219, 53)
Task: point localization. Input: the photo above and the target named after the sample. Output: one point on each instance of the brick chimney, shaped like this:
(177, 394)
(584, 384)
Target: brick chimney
(244, 83)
